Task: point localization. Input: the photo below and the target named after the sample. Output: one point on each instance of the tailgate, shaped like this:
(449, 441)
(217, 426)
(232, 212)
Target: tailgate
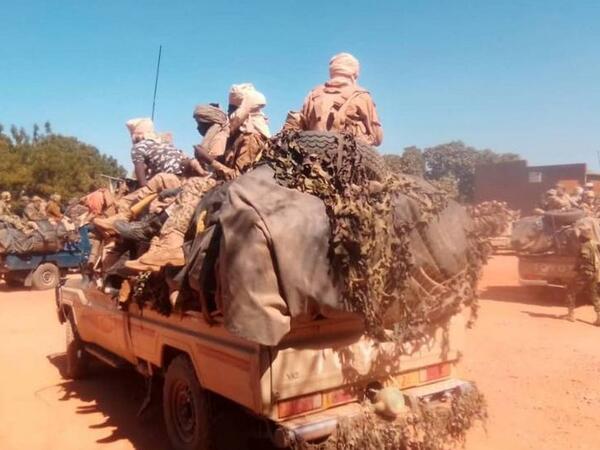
(546, 269)
(324, 356)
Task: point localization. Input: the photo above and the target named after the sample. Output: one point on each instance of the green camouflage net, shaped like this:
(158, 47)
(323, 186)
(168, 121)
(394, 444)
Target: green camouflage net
(428, 428)
(369, 253)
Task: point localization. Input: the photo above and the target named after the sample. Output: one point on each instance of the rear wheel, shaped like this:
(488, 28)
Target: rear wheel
(46, 276)
(77, 358)
(185, 406)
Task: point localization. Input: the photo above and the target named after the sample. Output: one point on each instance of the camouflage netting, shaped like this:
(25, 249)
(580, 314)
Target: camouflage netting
(437, 428)
(369, 249)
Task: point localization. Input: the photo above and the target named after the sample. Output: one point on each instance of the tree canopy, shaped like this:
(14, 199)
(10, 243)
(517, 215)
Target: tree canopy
(451, 165)
(43, 163)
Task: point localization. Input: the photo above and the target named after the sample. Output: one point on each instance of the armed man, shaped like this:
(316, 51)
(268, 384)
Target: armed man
(340, 104)
(587, 273)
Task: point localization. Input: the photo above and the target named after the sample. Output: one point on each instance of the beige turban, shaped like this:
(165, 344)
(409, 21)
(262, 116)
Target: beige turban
(210, 114)
(246, 91)
(143, 126)
(344, 65)
(238, 91)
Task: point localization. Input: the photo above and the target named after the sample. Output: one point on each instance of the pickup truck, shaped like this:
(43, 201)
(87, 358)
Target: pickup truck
(319, 374)
(43, 270)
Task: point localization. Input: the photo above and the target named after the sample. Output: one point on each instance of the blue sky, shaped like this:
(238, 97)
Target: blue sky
(521, 76)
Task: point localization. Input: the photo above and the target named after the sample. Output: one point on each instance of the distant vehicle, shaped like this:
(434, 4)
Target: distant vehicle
(546, 270)
(43, 270)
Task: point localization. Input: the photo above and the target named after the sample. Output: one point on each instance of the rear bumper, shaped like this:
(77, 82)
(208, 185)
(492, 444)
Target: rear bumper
(543, 283)
(322, 424)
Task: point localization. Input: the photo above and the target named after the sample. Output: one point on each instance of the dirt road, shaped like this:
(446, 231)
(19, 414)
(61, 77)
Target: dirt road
(541, 376)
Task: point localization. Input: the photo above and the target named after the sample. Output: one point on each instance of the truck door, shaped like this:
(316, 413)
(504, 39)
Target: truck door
(104, 324)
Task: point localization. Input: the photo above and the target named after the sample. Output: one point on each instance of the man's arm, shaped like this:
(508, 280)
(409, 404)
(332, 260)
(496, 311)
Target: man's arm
(140, 173)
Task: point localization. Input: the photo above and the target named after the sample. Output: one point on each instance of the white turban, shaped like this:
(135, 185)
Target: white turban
(246, 91)
(143, 125)
(345, 65)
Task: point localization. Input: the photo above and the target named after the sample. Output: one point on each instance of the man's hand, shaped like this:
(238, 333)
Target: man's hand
(224, 171)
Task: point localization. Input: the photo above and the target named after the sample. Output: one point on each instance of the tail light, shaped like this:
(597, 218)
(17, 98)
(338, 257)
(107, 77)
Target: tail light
(299, 405)
(338, 397)
(435, 372)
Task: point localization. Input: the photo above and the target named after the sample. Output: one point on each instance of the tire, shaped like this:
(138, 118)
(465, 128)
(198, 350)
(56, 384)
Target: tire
(563, 217)
(77, 358)
(185, 407)
(321, 142)
(46, 276)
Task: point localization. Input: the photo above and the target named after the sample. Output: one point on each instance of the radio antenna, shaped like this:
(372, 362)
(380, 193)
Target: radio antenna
(156, 81)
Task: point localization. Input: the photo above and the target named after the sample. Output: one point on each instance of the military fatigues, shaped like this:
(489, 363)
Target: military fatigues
(342, 106)
(586, 280)
(7, 216)
(158, 157)
(193, 188)
(33, 213)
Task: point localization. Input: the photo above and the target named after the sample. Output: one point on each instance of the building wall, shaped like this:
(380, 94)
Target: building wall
(522, 187)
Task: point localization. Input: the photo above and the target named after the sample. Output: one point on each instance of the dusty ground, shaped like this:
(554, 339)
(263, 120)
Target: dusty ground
(541, 376)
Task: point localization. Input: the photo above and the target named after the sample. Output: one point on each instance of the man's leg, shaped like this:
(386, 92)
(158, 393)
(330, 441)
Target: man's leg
(168, 248)
(596, 302)
(156, 185)
(570, 300)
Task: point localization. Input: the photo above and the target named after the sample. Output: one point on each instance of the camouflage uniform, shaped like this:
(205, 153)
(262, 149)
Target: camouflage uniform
(586, 280)
(7, 216)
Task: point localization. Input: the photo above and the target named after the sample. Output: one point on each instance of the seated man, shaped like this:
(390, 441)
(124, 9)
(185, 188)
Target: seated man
(158, 166)
(237, 140)
(167, 249)
(53, 208)
(33, 211)
(340, 104)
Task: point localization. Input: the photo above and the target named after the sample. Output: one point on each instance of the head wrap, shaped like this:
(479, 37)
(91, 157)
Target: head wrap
(5, 195)
(344, 65)
(210, 114)
(238, 91)
(143, 126)
(55, 198)
(35, 198)
(586, 231)
(551, 192)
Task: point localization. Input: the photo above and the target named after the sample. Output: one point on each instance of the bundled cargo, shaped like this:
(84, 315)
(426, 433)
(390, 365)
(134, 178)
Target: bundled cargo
(47, 237)
(319, 228)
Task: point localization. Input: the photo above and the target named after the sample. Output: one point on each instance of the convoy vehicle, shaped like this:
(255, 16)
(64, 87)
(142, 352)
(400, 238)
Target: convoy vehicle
(43, 270)
(320, 373)
(548, 270)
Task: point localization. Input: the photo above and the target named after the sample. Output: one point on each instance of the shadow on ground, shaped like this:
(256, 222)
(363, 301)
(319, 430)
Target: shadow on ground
(538, 296)
(118, 394)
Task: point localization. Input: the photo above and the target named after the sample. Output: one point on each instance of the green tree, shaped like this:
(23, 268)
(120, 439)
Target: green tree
(449, 166)
(51, 163)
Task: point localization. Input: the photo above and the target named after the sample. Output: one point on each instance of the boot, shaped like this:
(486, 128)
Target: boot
(142, 230)
(165, 251)
(597, 322)
(570, 316)
(108, 224)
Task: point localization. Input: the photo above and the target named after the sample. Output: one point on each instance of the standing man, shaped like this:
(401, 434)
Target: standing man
(587, 271)
(342, 105)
